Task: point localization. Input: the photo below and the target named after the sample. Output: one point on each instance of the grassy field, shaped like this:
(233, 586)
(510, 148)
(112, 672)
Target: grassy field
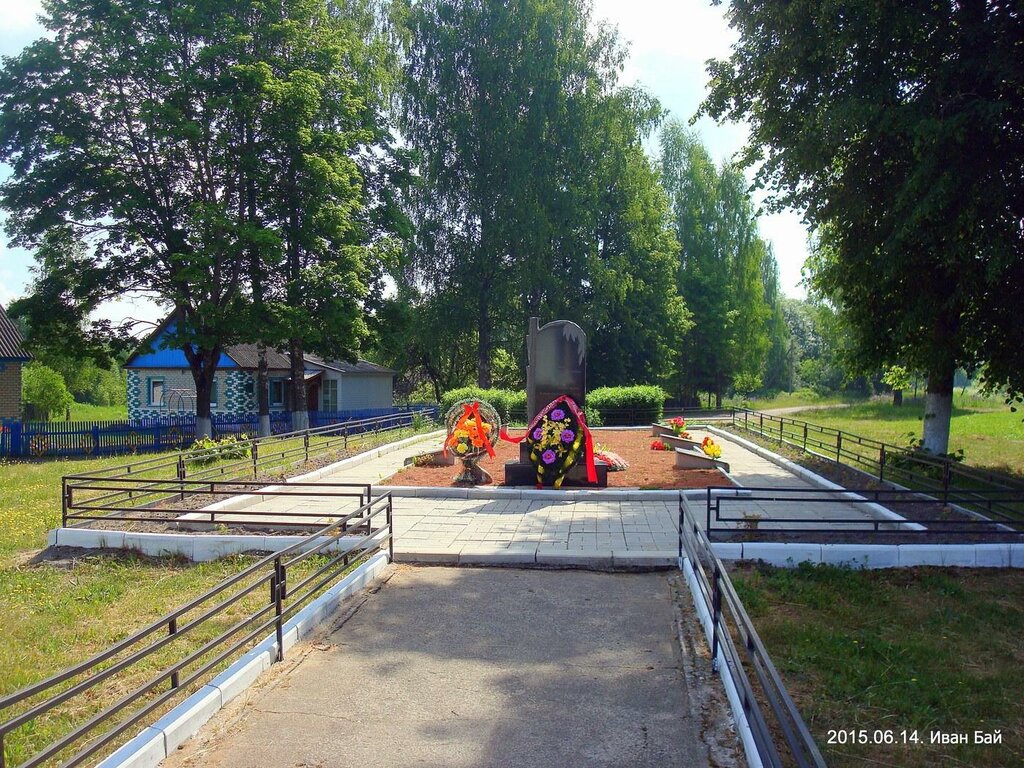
(791, 400)
(925, 649)
(990, 435)
(56, 614)
(86, 412)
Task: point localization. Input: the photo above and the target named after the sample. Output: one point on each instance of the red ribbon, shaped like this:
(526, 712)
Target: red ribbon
(473, 412)
(580, 417)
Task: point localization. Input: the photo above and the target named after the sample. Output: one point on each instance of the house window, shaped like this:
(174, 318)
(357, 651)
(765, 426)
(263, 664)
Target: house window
(249, 387)
(156, 392)
(214, 386)
(277, 392)
(329, 397)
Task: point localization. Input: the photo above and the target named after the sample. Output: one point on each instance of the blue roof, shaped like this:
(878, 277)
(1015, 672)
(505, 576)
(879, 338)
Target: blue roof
(159, 357)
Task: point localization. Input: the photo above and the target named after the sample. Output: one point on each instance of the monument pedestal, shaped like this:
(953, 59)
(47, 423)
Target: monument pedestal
(522, 472)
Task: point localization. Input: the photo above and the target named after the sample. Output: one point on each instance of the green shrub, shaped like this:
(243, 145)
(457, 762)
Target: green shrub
(207, 450)
(504, 401)
(44, 389)
(640, 404)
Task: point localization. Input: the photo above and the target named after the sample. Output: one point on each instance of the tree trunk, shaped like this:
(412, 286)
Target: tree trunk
(203, 365)
(938, 409)
(263, 391)
(300, 412)
(483, 360)
(897, 398)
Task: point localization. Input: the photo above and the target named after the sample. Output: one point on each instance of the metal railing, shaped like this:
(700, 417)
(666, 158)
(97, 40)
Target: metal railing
(255, 458)
(318, 561)
(113, 499)
(785, 740)
(798, 512)
(640, 416)
(900, 467)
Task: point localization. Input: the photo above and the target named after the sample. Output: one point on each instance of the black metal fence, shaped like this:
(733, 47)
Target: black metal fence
(780, 736)
(641, 416)
(118, 500)
(182, 650)
(773, 511)
(914, 470)
(145, 481)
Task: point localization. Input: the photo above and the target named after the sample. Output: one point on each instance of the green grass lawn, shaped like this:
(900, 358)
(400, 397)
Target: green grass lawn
(990, 435)
(925, 649)
(791, 400)
(87, 412)
(54, 615)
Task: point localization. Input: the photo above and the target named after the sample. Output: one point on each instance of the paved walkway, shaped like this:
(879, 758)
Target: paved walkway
(489, 667)
(588, 530)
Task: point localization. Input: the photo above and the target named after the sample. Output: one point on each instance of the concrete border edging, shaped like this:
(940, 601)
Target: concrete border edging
(738, 714)
(240, 502)
(814, 478)
(199, 548)
(159, 740)
(872, 556)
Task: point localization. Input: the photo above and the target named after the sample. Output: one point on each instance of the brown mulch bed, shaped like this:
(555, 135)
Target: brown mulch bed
(648, 470)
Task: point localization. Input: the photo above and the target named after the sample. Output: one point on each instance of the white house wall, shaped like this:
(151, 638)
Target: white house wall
(232, 396)
(357, 392)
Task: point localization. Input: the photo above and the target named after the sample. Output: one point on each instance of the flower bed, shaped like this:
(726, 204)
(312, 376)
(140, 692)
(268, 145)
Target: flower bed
(647, 469)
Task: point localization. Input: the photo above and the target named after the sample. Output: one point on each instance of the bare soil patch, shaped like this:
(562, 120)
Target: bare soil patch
(648, 470)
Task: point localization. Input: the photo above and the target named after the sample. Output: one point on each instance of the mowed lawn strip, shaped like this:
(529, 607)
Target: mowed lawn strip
(54, 615)
(924, 649)
(991, 437)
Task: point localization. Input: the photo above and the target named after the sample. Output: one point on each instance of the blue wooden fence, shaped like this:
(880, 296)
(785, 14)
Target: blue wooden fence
(38, 439)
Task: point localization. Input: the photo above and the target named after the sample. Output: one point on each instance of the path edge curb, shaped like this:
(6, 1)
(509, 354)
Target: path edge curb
(157, 741)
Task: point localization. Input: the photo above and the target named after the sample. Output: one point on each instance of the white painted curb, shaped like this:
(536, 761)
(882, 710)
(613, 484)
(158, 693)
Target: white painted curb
(815, 479)
(199, 548)
(241, 502)
(742, 723)
(159, 740)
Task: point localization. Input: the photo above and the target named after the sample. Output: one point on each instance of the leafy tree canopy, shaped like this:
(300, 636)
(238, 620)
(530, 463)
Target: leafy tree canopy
(896, 128)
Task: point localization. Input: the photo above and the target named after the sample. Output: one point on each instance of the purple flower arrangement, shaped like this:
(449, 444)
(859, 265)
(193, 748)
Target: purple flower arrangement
(556, 442)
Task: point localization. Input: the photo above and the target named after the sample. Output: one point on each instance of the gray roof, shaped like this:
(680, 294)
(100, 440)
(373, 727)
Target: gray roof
(11, 348)
(247, 356)
(358, 367)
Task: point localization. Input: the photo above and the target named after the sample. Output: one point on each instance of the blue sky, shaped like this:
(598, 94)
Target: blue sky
(670, 41)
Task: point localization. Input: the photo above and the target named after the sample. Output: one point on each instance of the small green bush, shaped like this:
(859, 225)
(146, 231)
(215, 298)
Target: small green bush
(207, 450)
(504, 401)
(639, 404)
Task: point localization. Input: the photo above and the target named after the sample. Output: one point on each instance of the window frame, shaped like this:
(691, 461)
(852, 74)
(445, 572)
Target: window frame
(162, 381)
(271, 383)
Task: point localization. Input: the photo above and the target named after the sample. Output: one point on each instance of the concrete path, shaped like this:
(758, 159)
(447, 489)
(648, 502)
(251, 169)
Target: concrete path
(489, 667)
(638, 531)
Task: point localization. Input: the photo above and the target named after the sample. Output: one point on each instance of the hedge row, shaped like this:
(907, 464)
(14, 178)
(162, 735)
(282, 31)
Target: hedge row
(505, 401)
(641, 404)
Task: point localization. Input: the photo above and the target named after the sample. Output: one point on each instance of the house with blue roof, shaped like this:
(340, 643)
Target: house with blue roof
(160, 382)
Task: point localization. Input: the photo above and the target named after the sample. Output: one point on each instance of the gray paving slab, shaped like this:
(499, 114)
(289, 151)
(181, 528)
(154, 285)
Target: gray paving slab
(432, 525)
(460, 667)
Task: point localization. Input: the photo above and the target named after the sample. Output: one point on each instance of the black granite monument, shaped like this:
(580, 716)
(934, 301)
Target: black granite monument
(557, 365)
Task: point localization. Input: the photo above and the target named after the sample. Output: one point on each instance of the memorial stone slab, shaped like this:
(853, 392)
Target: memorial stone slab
(557, 364)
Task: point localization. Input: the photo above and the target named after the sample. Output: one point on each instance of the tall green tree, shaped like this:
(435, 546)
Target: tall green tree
(500, 107)
(719, 267)
(780, 363)
(199, 148)
(895, 127)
